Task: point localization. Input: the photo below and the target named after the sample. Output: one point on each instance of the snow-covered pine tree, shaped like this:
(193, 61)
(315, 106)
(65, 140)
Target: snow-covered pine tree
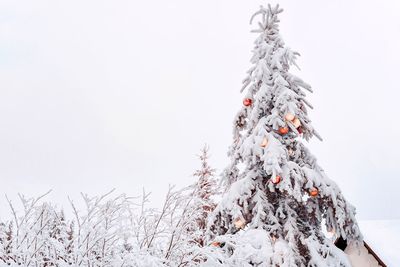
(278, 199)
(194, 204)
(205, 190)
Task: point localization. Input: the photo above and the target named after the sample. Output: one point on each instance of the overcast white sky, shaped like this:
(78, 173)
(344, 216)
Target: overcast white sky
(122, 94)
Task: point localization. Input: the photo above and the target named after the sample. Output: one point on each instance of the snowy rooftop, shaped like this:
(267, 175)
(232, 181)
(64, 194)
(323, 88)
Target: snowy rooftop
(383, 236)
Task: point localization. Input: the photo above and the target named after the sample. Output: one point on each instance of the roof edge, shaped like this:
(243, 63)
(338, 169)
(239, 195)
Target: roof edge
(342, 244)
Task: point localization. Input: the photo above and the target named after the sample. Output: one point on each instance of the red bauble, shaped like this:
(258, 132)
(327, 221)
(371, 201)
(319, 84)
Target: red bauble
(276, 180)
(300, 130)
(314, 192)
(247, 102)
(283, 130)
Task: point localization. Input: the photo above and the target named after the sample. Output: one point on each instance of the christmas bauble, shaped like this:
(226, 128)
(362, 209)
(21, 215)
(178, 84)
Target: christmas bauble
(247, 102)
(296, 122)
(264, 142)
(330, 233)
(239, 223)
(314, 192)
(283, 130)
(276, 179)
(300, 130)
(289, 117)
(216, 244)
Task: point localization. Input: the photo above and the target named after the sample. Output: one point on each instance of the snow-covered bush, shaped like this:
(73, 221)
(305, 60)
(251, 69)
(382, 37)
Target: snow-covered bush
(112, 229)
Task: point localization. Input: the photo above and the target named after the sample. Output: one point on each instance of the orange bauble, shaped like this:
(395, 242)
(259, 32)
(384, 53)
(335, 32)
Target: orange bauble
(330, 233)
(289, 117)
(247, 102)
(296, 122)
(314, 192)
(216, 244)
(264, 142)
(283, 130)
(276, 180)
(239, 223)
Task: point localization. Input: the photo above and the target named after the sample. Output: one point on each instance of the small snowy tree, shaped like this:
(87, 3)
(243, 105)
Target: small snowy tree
(176, 232)
(205, 189)
(189, 233)
(277, 196)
